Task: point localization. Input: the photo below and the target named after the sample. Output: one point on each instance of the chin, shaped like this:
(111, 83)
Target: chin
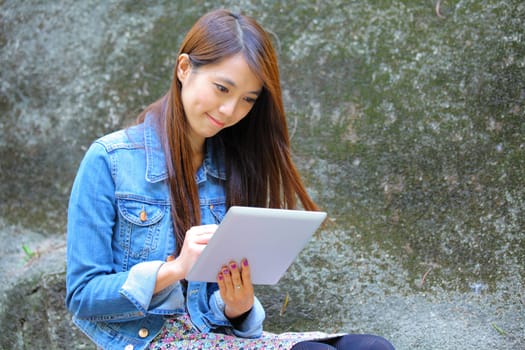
(211, 133)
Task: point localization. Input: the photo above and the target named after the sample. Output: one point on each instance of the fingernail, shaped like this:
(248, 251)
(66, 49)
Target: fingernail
(245, 262)
(225, 271)
(233, 266)
(220, 276)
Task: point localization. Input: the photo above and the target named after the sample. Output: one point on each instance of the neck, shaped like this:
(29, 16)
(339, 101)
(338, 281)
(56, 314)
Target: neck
(197, 155)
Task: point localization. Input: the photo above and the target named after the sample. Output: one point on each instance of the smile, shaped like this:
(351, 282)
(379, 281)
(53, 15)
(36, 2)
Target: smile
(215, 122)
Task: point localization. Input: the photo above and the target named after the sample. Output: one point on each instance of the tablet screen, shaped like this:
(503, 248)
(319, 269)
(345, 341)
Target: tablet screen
(270, 239)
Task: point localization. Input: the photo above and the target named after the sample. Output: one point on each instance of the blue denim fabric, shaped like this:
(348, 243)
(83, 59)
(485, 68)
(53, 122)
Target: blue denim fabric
(114, 250)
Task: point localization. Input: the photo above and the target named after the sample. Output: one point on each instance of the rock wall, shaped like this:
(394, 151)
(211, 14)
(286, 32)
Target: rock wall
(407, 121)
(32, 293)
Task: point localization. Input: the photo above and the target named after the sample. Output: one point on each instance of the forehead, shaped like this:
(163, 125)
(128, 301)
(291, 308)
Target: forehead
(235, 72)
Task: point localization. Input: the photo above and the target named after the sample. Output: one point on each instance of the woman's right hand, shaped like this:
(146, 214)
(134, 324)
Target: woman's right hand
(196, 239)
(176, 269)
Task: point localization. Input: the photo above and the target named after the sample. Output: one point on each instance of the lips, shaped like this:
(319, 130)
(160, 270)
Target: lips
(215, 122)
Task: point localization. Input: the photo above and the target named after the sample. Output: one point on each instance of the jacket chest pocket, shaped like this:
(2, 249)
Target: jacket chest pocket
(212, 211)
(142, 223)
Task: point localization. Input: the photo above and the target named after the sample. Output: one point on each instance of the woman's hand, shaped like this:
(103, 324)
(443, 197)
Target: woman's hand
(176, 269)
(195, 241)
(236, 288)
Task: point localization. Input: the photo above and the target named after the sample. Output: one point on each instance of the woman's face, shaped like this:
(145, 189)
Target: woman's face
(216, 96)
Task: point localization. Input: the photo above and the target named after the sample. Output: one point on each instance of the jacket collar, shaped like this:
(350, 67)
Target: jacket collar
(213, 164)
(155, 160)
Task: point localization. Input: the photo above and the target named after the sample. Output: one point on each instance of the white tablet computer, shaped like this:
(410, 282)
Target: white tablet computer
(269, 238)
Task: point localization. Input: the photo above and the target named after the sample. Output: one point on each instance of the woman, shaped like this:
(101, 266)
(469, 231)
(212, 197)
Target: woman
(146, 200)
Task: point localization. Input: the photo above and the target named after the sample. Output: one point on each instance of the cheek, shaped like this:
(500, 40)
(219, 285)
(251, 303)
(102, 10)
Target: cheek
(185, 99)
(194, 92)
(245, 110)
(241, 115)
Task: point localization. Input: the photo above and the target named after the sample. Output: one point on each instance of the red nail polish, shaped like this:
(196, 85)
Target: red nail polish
(233, 266)
(220, 276)
(245, 262)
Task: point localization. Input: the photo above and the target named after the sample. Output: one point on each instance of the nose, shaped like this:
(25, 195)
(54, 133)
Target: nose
(228, 107)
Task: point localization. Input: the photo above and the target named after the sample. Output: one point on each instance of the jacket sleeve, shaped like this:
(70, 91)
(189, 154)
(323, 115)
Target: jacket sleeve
(251, 327)
(95, 291)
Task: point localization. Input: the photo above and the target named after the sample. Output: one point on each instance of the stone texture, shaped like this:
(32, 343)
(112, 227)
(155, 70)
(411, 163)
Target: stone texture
(32, 293)
(407, 123)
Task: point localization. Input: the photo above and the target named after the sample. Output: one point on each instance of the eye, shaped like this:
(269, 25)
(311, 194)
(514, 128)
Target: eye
(250, 100)
(221, 88)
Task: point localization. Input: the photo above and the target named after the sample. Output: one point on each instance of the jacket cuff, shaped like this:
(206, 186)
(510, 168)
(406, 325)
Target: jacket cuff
(140, 284)
(251, 327)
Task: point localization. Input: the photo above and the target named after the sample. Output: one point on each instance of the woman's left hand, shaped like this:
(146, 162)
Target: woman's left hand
(236, 288)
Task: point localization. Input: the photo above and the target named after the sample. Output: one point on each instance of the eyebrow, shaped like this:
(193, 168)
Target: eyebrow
(232, 83)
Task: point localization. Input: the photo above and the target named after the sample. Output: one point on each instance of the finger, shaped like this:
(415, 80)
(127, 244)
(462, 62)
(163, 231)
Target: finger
(226, 278)
(203, 229)
(235, 276)
(197, 238)
(246, 272)
(210, 227)
(220, 281)
(202, 238)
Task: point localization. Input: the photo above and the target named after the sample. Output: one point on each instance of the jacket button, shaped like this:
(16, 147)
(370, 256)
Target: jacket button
(143, 215)
(143, 332)
(129, 347)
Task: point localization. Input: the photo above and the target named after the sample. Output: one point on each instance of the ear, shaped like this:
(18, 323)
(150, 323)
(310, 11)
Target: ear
(183, 67)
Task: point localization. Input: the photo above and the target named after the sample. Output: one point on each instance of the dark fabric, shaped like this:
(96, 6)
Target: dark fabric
(348, 342)
(311, 345)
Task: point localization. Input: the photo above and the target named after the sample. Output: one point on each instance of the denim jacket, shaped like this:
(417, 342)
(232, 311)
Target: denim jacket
(120, 232)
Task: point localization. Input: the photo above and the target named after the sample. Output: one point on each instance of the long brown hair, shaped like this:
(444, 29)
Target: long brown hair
(260, 170)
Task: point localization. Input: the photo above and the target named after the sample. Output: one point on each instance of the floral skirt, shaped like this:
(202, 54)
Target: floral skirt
(179, 333)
